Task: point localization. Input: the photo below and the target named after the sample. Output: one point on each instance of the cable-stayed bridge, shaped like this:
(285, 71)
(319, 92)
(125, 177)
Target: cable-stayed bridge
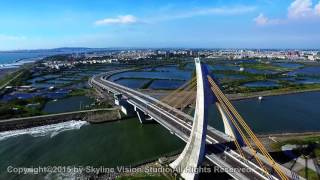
(237, 151)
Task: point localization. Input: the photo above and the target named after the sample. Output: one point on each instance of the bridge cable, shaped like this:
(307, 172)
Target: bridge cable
(177, 95)
(236, 142)
(256, 141)
(249, 131)
(189, 101)
(171, 95)
(183, 98)
(240, 131)
(263, 152)
(187, 97)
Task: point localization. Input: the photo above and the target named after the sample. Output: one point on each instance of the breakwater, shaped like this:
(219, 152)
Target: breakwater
(92, 116)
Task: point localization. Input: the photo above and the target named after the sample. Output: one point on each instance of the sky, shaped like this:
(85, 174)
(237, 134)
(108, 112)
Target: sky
(40, 24)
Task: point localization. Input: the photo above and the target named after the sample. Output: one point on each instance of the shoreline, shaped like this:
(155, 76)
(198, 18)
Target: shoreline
(233, 97)
(289, 134)
(242, 96)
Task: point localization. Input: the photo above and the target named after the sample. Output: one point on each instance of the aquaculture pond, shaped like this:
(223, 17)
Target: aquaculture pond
(224, 67)
(57, 94)
(166, 84)
(73, 103)
(307, 80)
(228, 76)
(310, 71)
(288, 65)
(261, 84)
(258, 71)
(132, 83)
(160, 73)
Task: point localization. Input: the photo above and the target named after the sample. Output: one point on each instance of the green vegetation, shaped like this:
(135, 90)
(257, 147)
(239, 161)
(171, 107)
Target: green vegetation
(22, 78)
(182, 65)
(7, 78)
(235, 86)
(22, 108)
(309, 174)
(79, 92)
(264, 66)
(298, 141)
(101, 105)
(17, 78)
(308, 146)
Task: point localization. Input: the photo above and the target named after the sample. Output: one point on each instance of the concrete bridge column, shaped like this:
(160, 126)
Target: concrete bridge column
(229, 128)
(143, 118)
(126, 108)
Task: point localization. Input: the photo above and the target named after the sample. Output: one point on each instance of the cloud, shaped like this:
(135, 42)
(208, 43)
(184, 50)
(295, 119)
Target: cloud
(303, 9)
(317, 9)
(236, 10)
(263, 20)
(126, 19)
(298, 9)
(5, 37)
(166, 16)
(220, 11)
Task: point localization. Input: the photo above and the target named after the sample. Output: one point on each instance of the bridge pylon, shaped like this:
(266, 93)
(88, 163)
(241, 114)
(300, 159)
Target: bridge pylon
(193, 154)
(229, 128)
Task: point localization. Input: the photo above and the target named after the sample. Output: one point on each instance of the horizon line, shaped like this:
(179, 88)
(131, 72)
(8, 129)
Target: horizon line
(132, 47)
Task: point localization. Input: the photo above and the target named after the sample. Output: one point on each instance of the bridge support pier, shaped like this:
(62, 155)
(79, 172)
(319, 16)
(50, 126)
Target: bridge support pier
(143, 118)
(193, 154)
(126, 108)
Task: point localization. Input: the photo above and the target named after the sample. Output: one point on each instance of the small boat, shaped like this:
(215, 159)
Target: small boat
(260, 98)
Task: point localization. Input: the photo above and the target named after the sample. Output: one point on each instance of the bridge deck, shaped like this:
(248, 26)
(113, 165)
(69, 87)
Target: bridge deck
(180, 124)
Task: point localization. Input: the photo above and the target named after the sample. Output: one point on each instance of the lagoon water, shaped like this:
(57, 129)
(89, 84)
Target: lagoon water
(278, 114)
(109, 145)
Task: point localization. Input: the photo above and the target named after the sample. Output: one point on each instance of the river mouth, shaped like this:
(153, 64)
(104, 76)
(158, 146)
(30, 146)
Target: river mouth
(109, 145)
(47, 130)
